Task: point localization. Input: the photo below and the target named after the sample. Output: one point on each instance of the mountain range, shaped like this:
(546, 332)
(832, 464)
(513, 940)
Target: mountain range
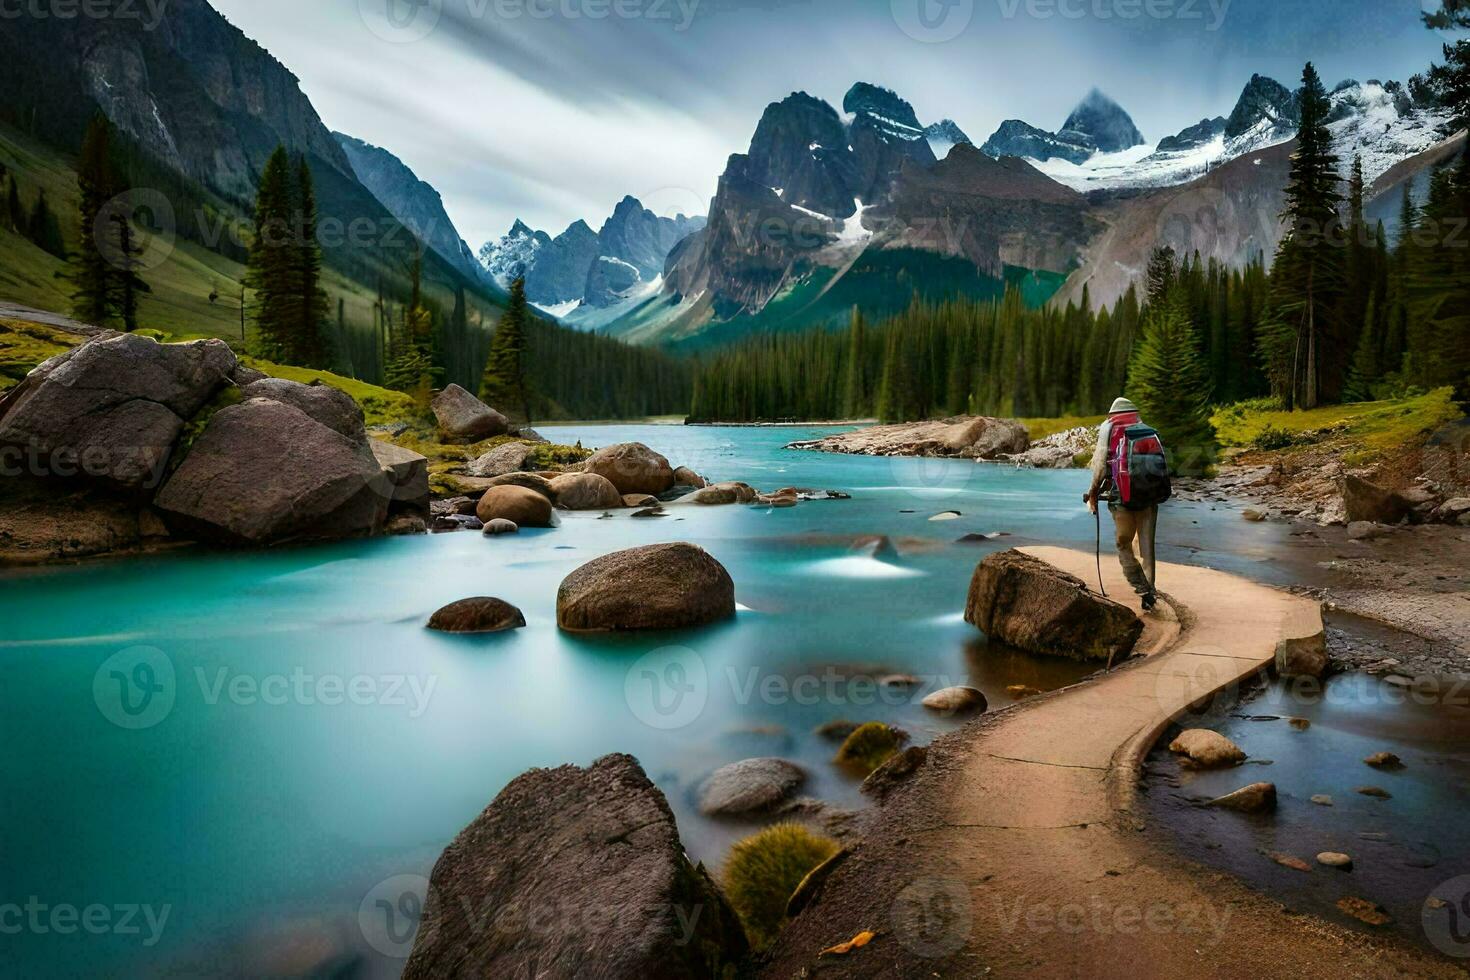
(868, 207)
(828, 208)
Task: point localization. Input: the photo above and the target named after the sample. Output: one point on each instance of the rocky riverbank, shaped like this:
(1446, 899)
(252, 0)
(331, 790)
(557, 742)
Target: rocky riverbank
(965, 437)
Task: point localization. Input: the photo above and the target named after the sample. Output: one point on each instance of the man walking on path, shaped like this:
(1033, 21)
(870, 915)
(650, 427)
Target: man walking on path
(1133, 502)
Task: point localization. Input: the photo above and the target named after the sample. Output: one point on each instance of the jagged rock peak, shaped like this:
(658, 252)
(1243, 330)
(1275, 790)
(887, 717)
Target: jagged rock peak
(881, 102)
(1263, 99)
(1104, 122)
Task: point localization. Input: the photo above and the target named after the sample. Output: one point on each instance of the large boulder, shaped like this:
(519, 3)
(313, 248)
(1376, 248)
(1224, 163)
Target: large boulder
(41, 521)
(464, 418)
(405, 477)
(113, 408)
(633, 468)
(330, 406)
(1031, 605)
(523, 507)
(969, 437)
(501, 460)
(751, 786)
(574, 873)
(265, 472)
(663, 586)
(585, 491)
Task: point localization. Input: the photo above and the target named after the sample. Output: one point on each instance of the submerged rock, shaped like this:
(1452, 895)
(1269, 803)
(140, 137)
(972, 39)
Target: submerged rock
(749, 787)
(722, 494)
(1031, 605)
(633, 468)
(1384, 760)
(464, 418)
(1333, 859)
(500, 526)
(574, 873)
(1207, 749)
(664, 586)
(1255, 798)
(1369, 913)
(479, 615)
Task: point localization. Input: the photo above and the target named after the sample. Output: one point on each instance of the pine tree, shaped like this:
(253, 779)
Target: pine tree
(273, 261)
(1303, 342)
(44, 229)
(1366, 367)
(1163, 269)
(14, 210)
(855, 393)
(1170, 385)
(505, 380)
(92, 274)
(308, 339)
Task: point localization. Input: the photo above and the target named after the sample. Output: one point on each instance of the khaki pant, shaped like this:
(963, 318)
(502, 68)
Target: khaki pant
(1139, 525)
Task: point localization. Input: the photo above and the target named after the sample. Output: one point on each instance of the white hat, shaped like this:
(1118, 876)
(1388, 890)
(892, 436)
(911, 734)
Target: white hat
(1122, 405)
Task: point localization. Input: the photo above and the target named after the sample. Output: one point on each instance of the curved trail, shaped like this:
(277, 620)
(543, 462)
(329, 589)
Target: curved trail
(1017, 850)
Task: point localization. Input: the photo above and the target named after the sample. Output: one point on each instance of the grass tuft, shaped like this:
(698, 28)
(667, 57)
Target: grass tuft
(764, 870)
(869, 747)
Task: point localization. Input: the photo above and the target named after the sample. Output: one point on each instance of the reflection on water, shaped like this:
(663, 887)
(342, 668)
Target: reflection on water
(312, 739)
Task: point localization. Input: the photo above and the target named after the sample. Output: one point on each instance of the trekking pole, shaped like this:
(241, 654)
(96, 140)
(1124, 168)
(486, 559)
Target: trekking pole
(1097, 519)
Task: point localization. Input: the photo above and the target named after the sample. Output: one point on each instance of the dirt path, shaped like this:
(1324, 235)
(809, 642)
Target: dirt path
(1017, 850)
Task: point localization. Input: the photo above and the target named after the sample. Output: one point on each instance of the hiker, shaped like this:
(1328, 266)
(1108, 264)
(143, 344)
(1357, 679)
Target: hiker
(1129, 468)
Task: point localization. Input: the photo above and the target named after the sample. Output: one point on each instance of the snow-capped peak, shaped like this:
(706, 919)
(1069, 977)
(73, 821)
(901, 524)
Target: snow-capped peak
(512, 256)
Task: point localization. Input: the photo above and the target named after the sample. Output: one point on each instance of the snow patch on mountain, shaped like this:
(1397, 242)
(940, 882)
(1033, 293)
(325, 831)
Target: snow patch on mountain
(513, 255)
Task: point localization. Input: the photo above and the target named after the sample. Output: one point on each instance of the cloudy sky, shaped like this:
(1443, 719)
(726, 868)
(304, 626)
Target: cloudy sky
(552, 110)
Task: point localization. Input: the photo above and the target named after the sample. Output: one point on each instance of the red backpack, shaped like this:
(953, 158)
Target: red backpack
(1138, 463)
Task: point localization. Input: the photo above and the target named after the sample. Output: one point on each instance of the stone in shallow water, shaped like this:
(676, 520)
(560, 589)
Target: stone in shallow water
(1377, 792)
(501, 526)
(1370, 913)
(956, 700)
(479, 615)
(751, 786)
(1294, 863)
(1322, 799)
(1207, 749)
(664, 586)
(1334, 859)
(1384, 760)
(1255, 798)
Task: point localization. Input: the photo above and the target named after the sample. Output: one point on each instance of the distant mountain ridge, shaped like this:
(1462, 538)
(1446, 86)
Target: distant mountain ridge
(580, 274)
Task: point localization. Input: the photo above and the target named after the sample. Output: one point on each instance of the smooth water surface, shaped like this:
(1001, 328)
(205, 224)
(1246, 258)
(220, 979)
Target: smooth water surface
(260, 745)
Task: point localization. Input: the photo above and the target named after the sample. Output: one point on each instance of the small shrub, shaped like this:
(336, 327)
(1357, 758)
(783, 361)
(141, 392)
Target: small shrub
(763, 871)
(1272, 438)
(869, 747)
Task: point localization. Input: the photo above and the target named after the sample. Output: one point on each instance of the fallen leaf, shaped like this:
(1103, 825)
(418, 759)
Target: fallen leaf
(856, 942)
